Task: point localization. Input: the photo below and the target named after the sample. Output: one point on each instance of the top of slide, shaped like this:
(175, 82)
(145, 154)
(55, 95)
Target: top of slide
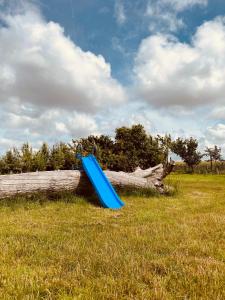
(103, 187)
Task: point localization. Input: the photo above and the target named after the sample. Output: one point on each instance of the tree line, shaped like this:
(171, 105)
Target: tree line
(131, 147)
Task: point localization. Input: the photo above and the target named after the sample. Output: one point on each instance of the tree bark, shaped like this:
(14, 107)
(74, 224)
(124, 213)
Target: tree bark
(77, 181)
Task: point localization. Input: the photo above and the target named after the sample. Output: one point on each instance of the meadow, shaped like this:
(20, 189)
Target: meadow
(158, 247)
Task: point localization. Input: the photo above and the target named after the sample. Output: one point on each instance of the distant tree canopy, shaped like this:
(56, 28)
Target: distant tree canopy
(187, 150)
(214, 154)
(60, 156)
(131, 147)
(166, 146)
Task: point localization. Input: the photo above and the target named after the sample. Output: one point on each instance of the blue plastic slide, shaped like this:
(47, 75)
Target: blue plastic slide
(103, 187)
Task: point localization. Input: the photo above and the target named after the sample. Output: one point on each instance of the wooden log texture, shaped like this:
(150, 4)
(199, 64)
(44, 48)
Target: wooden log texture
(77, 181)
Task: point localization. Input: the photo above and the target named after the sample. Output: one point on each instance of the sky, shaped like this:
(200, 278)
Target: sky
(71, 68)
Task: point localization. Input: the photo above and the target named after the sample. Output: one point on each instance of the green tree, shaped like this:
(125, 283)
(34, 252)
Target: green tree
(11, 162)
(133, 147)
(214, 154)
(165, 143)
(41, 159)
(187, 150)
(69, 156)
(103, 144)
(26, 157)
(56, 158)
(1, 166)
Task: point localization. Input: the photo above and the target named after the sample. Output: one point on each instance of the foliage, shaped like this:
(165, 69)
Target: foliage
(41, 159)
(26, 158)
(60, 156)
(104, 145)
(187, 150)
(11, 162)
(214, 155)
(166, 145)
(131, 147)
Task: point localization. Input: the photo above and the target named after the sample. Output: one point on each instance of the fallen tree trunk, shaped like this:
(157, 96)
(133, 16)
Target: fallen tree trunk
(77, 181)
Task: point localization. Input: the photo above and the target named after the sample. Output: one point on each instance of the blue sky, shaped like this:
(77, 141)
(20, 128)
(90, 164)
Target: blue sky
(94, 26)
(73, 68)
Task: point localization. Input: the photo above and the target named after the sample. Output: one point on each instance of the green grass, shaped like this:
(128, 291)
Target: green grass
(154, 248)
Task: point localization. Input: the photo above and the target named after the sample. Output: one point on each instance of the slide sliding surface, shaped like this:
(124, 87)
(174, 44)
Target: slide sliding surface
(105, 191)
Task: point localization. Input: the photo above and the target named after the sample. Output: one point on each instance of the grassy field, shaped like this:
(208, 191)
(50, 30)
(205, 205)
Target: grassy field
(154, 248)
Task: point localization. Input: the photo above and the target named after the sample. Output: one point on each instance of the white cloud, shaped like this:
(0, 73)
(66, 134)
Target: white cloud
(7, 144)
(40, 65)
(52, 125)
(169, 72)
(125, 118)
(179, 5)
(50, 90)
(119, 12)
(218, 113)
(216, 133)
(162, 19)
(164, 15)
